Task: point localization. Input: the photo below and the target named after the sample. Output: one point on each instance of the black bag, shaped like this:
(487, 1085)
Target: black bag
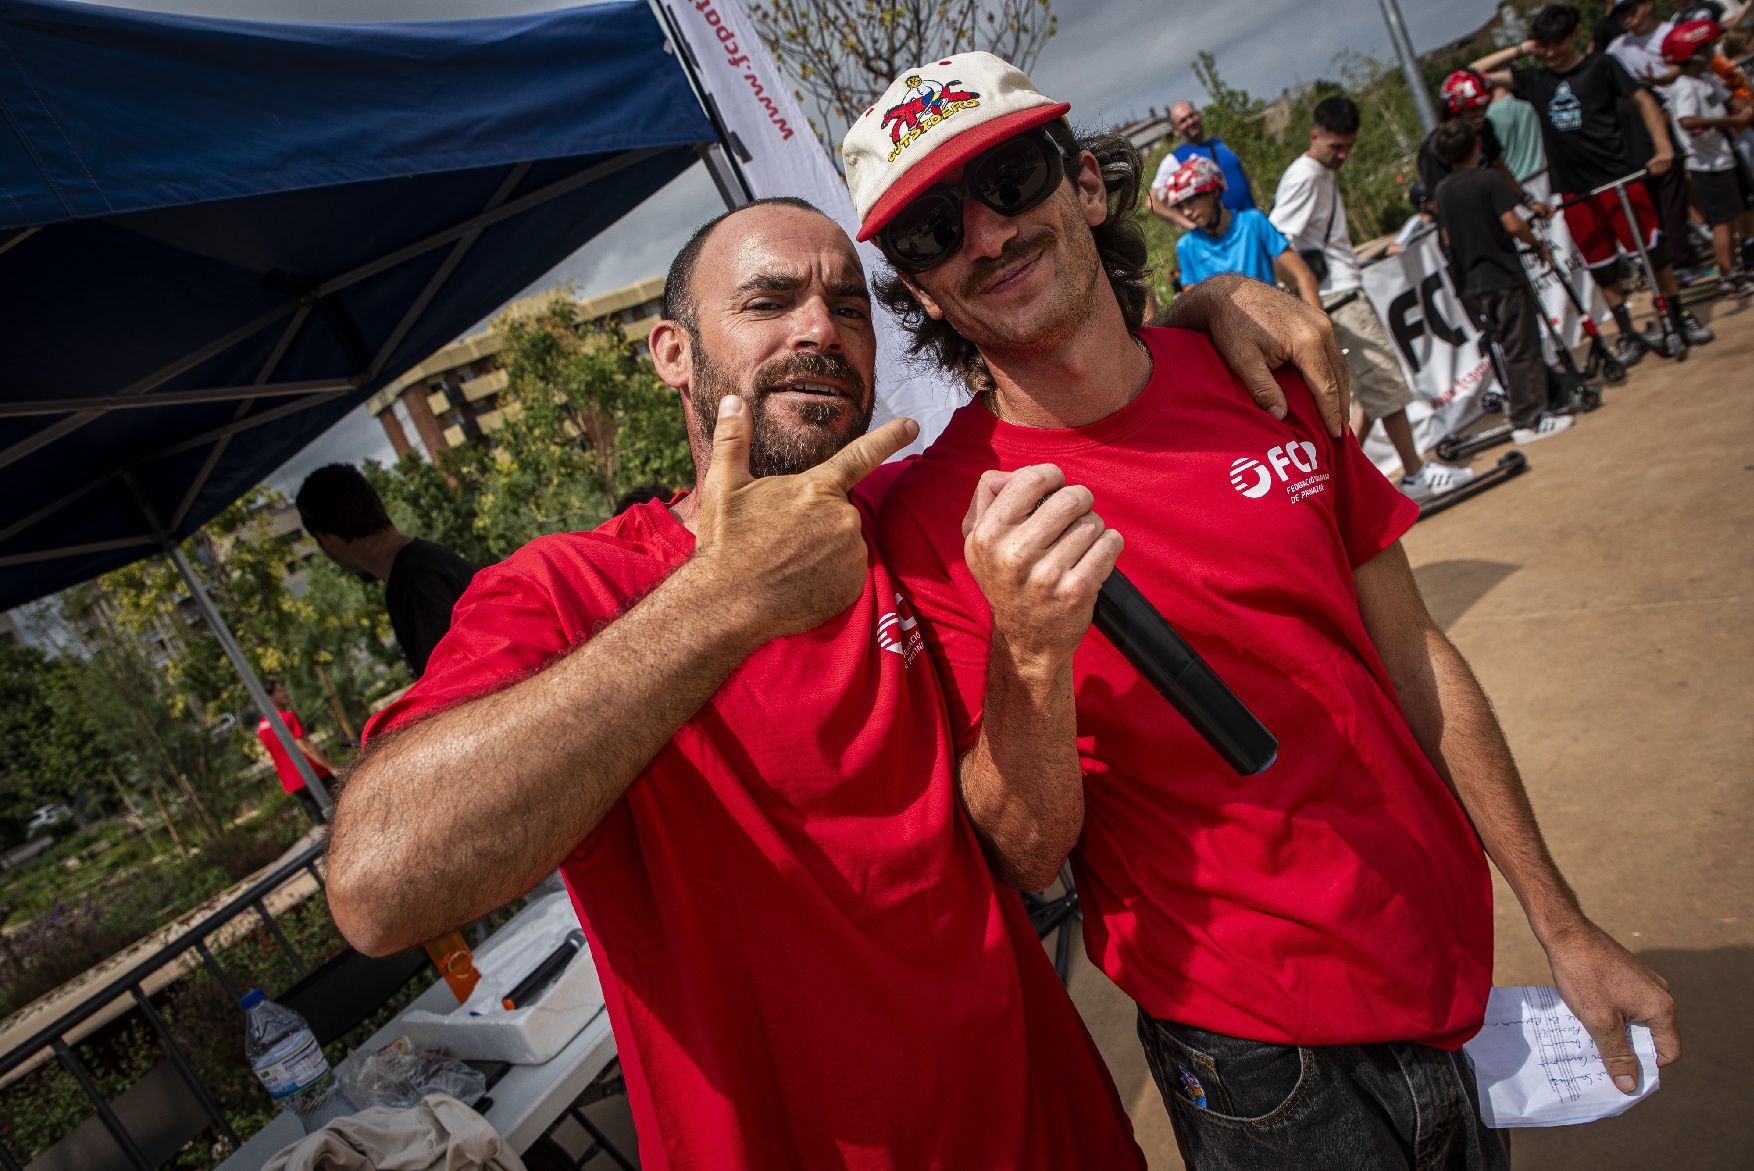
(1317, 258)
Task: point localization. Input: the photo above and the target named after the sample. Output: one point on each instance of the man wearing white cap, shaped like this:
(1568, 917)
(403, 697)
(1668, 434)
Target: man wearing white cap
(713, 714)
(1309, 948)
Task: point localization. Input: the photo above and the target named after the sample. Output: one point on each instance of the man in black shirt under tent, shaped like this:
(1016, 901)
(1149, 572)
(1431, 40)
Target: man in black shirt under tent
(422, 581)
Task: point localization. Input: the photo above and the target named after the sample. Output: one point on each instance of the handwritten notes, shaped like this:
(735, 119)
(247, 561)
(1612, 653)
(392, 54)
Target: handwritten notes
(1537, 1066)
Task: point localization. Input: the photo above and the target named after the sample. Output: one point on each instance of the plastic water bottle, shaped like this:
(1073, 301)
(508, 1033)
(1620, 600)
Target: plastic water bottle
(286, 1057)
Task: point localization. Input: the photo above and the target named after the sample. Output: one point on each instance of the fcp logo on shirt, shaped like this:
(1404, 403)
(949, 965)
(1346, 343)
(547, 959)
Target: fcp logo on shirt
(1255, 477)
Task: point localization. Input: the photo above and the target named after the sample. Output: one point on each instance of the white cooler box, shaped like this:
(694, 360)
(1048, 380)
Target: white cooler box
(483, 1029)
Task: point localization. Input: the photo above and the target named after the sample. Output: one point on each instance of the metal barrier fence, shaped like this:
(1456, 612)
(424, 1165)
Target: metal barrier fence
(129, 984)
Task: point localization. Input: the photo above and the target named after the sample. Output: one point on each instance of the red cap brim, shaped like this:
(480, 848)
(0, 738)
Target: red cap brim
(952, 154)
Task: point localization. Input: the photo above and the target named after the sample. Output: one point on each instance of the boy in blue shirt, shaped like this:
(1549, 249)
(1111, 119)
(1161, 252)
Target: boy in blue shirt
(1223, 240)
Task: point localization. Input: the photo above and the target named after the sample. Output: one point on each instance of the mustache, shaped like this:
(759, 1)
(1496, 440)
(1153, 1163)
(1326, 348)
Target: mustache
(806, 365)
(1017, 248)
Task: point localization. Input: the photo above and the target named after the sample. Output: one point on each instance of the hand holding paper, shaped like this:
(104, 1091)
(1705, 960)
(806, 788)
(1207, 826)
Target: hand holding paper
(1536, 1065)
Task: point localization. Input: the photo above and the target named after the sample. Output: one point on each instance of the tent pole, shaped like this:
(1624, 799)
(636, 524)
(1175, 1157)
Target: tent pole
(239, 661)
(721, 163)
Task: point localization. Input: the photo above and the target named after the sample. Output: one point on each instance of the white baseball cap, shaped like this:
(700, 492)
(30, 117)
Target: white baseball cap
(929, 122)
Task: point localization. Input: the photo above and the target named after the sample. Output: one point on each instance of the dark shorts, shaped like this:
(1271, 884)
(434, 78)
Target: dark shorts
(1599, 229)
(1721, 196)
(1241, 1105)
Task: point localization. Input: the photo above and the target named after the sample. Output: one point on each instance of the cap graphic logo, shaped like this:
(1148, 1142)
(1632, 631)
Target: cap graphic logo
(1245, 468)
(925, 104)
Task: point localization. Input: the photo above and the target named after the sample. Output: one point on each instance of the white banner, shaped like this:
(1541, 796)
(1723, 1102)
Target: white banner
(774, 147)
(1442, 355)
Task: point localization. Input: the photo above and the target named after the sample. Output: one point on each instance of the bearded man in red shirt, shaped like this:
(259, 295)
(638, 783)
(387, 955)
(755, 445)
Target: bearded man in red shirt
(1309, 948)
(714, 716)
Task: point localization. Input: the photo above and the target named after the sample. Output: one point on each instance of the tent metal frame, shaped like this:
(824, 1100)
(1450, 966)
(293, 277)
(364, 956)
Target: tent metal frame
(304, 395)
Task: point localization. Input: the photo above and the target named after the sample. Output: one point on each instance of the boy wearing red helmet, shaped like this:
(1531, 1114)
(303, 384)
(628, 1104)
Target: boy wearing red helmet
(1466, 94)
(1223, 240)
(1700, 105)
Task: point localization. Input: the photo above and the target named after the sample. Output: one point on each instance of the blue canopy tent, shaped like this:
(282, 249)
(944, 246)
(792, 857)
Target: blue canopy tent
(217, 237)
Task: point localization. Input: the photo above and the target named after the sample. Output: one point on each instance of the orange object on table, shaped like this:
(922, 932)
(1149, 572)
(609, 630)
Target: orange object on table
(450, 954)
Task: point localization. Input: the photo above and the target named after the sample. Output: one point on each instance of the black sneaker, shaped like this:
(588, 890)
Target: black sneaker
(1694, 330)
(1628, 350)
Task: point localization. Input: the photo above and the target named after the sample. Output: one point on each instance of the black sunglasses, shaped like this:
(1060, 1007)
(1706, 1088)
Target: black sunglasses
(1010, 178)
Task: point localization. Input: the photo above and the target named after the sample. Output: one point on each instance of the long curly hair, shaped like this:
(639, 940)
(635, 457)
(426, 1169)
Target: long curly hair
(1120, 244)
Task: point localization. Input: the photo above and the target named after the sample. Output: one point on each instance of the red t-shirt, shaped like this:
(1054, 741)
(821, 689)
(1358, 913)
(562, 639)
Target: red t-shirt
(806, 961)
(1339, 898)
(290, 780)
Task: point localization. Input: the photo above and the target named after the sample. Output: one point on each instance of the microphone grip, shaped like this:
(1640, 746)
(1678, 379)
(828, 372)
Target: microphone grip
(1170, 665)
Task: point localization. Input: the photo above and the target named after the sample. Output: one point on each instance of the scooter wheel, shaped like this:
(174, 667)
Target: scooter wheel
(1448, 449)
(1675, 347)
(1586, 398)
(1613, 371)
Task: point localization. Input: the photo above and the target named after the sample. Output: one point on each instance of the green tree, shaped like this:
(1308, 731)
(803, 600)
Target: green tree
(842, 54)
(586, 419)
(51, 750)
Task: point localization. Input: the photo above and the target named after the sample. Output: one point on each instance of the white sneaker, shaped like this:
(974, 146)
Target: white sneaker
(1434, 479)
(1549, 426)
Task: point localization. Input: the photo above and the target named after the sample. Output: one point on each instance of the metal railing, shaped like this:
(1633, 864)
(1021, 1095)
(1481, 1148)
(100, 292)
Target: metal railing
(53, 1036)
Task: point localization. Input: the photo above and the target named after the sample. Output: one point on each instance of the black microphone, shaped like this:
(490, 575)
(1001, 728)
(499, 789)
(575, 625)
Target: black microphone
(1182, 677)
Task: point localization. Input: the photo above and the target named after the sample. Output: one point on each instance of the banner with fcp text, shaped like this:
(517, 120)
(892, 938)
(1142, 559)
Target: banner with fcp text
(1442, 354)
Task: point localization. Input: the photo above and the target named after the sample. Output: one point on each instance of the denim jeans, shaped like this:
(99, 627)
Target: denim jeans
(1251, 1106)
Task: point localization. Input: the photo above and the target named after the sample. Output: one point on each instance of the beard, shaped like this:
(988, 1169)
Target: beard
(791, 438)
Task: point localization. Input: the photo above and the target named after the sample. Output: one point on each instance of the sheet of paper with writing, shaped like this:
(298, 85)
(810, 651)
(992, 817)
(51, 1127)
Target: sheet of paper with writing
(1536, 1064)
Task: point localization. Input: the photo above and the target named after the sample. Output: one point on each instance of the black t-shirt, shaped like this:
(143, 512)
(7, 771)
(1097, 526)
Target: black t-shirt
(425, 582)
(1580, 121)
(1481, 252)
(1433, 170)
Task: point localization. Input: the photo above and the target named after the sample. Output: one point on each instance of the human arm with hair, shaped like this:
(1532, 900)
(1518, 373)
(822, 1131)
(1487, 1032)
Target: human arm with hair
(541, 762)
(1039, 555)
(1657, 127)
(1168, 213)
(1495, 66)
(1450, 716)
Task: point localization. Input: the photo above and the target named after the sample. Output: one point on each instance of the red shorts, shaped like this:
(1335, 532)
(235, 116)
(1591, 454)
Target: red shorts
(1599, 228)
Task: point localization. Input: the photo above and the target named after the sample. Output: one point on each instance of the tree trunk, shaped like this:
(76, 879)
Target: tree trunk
(335, 707)
(170, 825)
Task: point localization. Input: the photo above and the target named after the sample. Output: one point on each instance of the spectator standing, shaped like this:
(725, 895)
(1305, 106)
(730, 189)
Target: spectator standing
(1640, 49)
(1476, 211)
(1466, 94)
(1309, 212)
(1699, 104)
(1518, 128)
(1223, 240)
(284, 767)
(1577, 100)
(1190, 127)
(1308, 949)
(422, 580)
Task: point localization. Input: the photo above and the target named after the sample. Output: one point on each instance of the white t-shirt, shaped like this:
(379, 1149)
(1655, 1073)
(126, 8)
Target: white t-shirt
(1643, 55)
(1308, 211)
(1701, 97)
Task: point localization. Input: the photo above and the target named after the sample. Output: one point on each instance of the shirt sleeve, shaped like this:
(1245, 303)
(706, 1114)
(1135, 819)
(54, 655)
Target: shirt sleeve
(1372, 513)
(1269, 236)
(1294, 205)
(1490, 148)
(1684, 101)
(1521, 85)
(953, 612)
(1164, 170)
(1620, 82)
(505, 627)
(1503, 198)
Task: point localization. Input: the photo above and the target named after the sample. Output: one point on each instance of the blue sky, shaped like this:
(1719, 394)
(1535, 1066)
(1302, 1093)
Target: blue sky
(1113, 60)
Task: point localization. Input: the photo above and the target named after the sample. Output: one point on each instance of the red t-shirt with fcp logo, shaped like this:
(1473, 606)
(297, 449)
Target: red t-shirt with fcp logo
(806, 961)
(1341, 897)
